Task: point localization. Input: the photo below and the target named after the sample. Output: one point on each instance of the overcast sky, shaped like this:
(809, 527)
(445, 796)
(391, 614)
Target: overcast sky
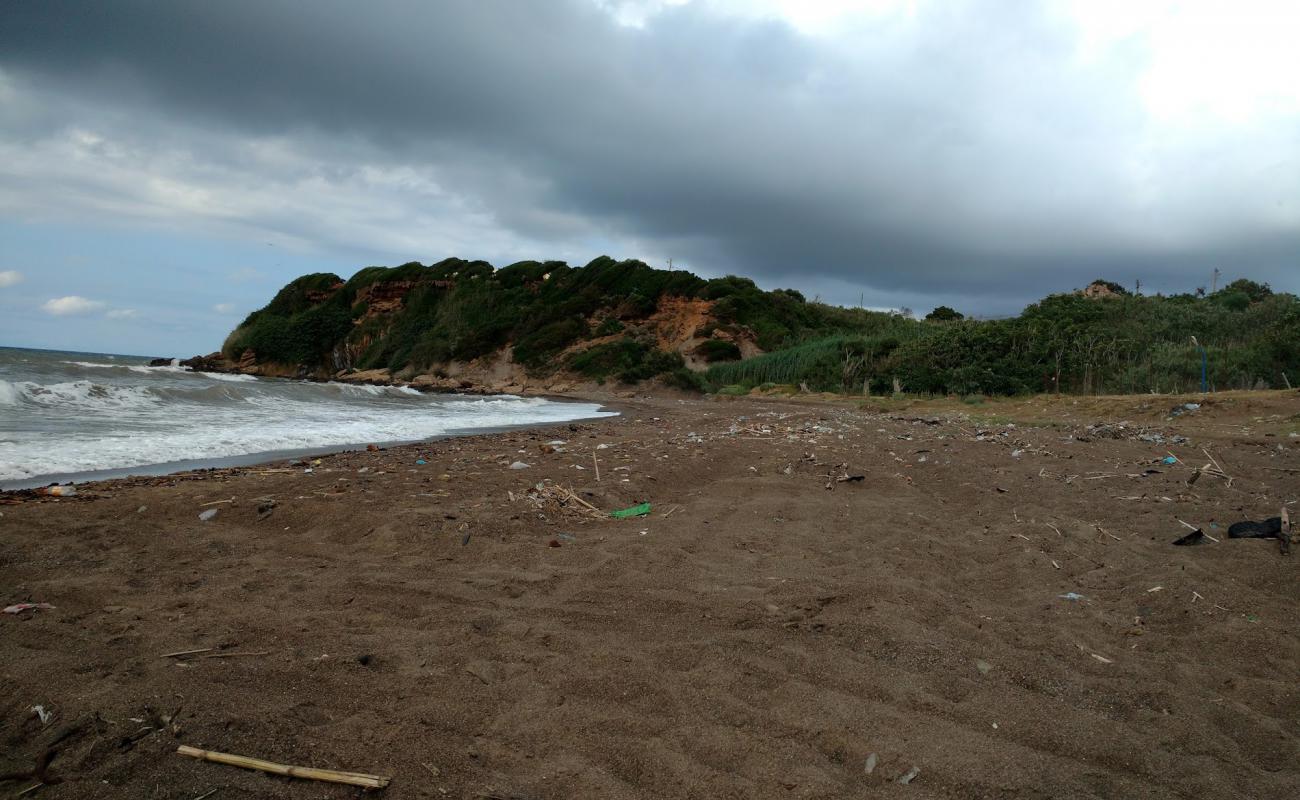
(166, 166)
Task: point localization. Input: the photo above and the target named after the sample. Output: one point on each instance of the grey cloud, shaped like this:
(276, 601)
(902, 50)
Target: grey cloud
(963, 153)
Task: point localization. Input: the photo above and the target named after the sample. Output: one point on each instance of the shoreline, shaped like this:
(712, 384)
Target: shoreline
(267, 457)
(993, 599)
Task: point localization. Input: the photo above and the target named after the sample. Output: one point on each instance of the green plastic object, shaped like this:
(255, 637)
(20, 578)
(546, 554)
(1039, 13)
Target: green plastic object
(634, 511)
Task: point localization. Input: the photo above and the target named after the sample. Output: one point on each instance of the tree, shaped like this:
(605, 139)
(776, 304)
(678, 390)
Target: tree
(945, 314)
(1255, 291)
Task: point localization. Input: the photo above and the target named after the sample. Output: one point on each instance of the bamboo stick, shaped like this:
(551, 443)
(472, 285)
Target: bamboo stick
(307, 773)
(186, 653)
(597, 465)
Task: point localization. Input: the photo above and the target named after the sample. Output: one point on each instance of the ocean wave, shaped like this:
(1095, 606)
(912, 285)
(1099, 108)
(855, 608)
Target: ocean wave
(272, 424)
(81, 395)
(230, 377)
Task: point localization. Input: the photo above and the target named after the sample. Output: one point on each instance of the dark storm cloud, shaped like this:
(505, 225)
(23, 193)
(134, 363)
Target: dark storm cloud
(963, 151)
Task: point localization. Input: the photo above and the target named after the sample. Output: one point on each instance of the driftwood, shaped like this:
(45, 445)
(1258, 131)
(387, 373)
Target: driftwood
(308, 773)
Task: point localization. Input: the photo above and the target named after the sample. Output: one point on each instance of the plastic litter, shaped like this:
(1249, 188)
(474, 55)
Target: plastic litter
(634, 511)
(1195, 537)
(870, 766)
(18, 608)
(44, 715)
(983, 666)
(208, 515)
(58, 491)
(1072, 596)
(420, 462)
(520, 465)
(1270, 528)
(1169, 460)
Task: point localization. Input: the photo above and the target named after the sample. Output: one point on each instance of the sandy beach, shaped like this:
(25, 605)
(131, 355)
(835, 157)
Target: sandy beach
(992, 598)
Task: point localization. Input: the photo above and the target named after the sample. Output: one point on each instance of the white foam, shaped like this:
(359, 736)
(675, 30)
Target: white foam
(229, 377)
(138, 426)
(85, 396)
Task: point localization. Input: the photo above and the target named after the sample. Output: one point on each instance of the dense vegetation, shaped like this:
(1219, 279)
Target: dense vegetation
(461, 310)
(1067, 342)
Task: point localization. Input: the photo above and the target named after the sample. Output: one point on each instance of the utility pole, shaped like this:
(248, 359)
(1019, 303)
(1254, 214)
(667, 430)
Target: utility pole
(1214, 283)
(1205, 384)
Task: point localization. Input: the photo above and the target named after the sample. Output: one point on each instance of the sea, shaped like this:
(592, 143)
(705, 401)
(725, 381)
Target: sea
(69, 417)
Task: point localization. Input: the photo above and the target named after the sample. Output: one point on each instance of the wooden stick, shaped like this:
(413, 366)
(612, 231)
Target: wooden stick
(1281, 469)
(217, 502)
(597, 465)
(307, 773)
(233, 655)
(187, 653)
(1217, 465)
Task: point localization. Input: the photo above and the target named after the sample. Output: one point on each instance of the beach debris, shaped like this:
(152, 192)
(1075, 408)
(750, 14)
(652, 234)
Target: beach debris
(307, 773)
(372, 448)
(1072, 596)
(564, 499)
(553, 543)
(18, 608)
(58, 491)
(1102, 659)
(870, 766)
(520, 465)
(239, 654)
(465, 539)
(181, 653)
(1169, 460)
(983, 666)
(1248, 529)
(265, 509)
(635, 511)
(1194, 538)
(909, 776)
(209, 514)
(42, 714)
(420, 462)
(142, 509)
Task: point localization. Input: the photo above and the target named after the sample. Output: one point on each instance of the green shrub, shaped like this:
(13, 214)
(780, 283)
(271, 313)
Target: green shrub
(717, 350)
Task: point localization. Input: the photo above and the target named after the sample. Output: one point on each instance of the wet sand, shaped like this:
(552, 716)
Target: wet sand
(758, 635)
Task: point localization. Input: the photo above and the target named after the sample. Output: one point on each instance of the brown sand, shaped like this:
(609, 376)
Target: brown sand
(757, 636)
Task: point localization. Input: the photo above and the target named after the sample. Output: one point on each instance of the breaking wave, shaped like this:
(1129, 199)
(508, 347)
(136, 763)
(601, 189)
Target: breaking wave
(84, 416)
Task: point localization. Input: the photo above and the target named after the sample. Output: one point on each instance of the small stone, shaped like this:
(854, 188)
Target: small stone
(870, 766)
(909, 776)
(983, 666)
(519, 465)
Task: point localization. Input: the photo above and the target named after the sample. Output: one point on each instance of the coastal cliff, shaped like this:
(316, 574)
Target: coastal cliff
(531, 327)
